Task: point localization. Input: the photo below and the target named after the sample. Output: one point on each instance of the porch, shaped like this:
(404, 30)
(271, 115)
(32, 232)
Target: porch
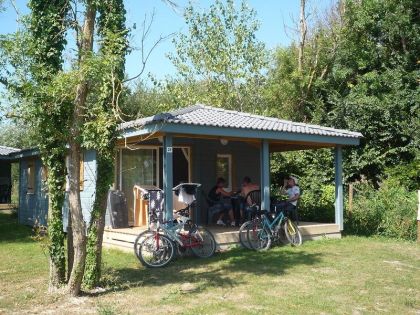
(201, 143)
(225, 237)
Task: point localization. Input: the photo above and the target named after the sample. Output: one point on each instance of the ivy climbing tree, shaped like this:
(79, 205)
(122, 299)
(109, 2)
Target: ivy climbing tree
(71, 108)
(100, 127)
(47, 32)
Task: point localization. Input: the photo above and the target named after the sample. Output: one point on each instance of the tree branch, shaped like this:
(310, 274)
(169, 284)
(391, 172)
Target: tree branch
(145, 55)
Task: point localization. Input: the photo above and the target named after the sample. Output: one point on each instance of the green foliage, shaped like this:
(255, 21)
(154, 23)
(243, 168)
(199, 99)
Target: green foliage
(16, 134)
(105, 175)
(219, 60)
(317, 190)
(99, 131)
(407, 174)
(360, 73)
(317, 204)
(388, 211)
(44, 95)
(32, 58)
(144, 100)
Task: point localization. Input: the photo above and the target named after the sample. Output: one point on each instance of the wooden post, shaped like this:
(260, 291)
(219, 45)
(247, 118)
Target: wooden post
(338, 165)
(418, 218)
(350, 198)
(265, 175)
(168, 176)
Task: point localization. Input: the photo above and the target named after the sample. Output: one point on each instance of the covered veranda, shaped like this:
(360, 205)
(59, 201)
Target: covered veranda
(207, 136)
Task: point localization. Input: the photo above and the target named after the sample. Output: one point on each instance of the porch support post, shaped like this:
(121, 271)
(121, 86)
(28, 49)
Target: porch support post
(265, 175)
(168, 175)
(338, 164)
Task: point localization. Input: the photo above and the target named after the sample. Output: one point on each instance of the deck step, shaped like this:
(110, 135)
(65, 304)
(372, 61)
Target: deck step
(7, 206)
(124, 238)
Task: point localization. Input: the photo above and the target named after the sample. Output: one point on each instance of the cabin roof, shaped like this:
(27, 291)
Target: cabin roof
(7, 150)
(203, 115)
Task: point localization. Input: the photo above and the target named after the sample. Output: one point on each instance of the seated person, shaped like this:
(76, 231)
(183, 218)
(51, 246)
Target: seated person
(217, 198)
(248, 186)
(293, 193)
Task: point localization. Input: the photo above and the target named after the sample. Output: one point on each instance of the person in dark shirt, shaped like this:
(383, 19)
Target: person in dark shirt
(219, 197)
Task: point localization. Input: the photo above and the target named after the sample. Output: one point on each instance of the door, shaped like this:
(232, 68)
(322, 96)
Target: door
(137, 167)
(181, 166)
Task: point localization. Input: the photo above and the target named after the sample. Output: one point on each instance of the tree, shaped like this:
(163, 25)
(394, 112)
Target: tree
(100, 128)
(73, 107)
(219, 60)
(302, 32)
(360, 65)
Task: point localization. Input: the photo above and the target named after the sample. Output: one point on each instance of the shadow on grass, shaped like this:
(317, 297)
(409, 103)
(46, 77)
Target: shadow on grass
(226, 269)
(11, 231)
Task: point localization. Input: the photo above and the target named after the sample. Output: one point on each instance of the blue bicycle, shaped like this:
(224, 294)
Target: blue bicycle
(263, 232)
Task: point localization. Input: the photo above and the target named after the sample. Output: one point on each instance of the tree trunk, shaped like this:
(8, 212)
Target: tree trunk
(104, 179)
(77, 220)
(56, 180)
(302, 31)
(57, 260)
(70, 249)
(78, 223)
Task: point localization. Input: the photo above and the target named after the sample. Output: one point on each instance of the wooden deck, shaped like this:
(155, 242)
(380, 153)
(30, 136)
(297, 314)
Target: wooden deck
(225, 236)
(7, 206)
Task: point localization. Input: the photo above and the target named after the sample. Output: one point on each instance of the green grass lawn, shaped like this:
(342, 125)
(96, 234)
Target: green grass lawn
(353, 275)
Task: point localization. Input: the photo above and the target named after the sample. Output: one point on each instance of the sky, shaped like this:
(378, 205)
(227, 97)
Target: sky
(277, 18)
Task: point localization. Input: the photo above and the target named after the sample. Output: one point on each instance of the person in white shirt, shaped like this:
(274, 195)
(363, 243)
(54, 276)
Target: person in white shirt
(292, 191)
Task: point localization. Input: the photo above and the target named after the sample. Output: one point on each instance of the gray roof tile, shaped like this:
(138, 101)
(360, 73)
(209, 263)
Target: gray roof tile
(203, 115)
(7, 150)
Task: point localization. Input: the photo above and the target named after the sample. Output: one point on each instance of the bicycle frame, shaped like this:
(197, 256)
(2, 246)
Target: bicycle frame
(174, 232)
(277, 220)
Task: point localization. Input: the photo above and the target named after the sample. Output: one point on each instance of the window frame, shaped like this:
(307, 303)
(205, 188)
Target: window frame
(31, 177)
(229, 180)
(81, 173)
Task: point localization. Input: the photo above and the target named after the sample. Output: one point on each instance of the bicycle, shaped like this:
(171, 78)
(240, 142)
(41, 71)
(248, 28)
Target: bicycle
(152, 247)
(261, 233)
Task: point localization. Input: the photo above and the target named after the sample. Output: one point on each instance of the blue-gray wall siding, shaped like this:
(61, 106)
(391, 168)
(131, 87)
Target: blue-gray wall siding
(245, 162)
(34, 206)
(87, 195)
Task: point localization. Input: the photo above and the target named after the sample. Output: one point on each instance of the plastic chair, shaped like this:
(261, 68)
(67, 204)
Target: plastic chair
(213, 207)
(252, 202)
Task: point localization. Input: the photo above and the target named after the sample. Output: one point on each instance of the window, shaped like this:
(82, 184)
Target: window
(82, 172)
(224, 168)
(44, 178)
(31, 178)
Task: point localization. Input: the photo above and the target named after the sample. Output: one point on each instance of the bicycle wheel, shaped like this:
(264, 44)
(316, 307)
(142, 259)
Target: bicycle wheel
(156, 251)
(282, 235)
(139, 240)
(292, 233)
(259, 237)
(243, 234)
(206, 243)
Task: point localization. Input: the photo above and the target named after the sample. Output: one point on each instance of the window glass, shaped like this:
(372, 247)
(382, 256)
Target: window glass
(31, 177)
(138, 167)
(224, 168)
(81, 172)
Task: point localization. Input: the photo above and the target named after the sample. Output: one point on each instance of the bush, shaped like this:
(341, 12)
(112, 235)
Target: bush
(317, 204)
(388, 211)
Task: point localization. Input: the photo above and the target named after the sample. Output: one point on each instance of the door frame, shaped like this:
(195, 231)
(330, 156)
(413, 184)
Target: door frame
(156, 148)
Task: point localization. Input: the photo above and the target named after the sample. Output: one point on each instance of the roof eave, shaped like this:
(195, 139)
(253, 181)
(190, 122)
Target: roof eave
(238, 133)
